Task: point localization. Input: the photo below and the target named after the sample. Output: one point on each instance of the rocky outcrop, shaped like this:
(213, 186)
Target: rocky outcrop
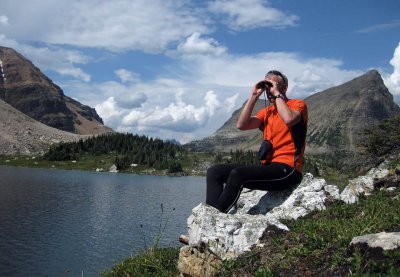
(229, 235)
(220, 236)
(363, 185)
(27, 89)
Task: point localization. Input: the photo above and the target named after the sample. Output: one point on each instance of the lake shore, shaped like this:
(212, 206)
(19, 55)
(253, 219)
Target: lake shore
(103, 164)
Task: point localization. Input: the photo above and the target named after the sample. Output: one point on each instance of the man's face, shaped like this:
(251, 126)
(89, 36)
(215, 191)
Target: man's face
(276, 79)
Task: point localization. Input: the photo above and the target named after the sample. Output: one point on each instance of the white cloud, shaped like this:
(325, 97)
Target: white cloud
(176, 119)
(126, 76)
(132, 118)
(197, 45)
(392, 81)
(108, 108)
(395, 62)
(56, 59)
(3, 20)
(149, 26)
(250, 14)
(212, 102)
(178, 116)
(240, 73)
(126, 97)
(74, 72)
(380, 27)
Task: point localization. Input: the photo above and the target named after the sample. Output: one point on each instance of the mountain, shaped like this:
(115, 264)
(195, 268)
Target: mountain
(339, 115)
(22, 135)
(27, 89)
(337, 118)
(228, 137)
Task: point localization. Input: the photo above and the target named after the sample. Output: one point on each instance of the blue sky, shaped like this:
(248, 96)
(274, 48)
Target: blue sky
(177, 69)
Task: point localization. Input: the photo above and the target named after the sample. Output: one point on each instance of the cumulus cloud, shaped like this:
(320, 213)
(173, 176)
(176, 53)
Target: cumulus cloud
(114, 25)
(178, 116)
(195, 44)
(109, 108)
(250, 14)
(395, 62)
(392, 81)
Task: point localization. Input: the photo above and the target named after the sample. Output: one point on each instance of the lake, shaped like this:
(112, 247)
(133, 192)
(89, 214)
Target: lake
(74, 223)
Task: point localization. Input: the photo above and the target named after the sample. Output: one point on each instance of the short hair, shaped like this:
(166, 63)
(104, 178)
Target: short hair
(278, 73)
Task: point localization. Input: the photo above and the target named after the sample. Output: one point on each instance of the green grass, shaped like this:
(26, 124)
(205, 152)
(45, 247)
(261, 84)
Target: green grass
(152, 262)
(84, 163)
(318, 244)
(191, 164)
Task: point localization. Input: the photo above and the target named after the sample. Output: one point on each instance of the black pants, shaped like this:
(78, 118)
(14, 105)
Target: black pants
(274, 176)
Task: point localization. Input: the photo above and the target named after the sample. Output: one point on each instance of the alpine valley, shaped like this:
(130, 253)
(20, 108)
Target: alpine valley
(36, 114)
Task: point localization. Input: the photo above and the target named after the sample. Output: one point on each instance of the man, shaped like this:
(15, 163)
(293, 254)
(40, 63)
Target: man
(284, 125)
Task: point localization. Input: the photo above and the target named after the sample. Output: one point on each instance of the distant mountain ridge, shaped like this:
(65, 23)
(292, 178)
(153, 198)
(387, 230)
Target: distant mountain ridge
(337, 118)
(26, 88)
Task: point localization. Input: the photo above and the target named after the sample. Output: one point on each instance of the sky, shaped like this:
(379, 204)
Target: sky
(177, 69)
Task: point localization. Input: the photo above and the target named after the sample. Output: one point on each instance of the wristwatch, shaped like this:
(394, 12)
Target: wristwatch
(279, 96)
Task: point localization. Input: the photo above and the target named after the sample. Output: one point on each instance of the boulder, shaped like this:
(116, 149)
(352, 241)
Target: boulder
(386, 241)
(113, 169)
(363, 185)
(229, 235)
(374, 244)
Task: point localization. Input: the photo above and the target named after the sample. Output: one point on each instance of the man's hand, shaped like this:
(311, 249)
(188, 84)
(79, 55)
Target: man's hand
(258, 88)
(276, 88)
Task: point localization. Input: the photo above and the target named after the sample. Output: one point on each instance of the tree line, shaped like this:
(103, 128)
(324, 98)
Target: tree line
(127, 148)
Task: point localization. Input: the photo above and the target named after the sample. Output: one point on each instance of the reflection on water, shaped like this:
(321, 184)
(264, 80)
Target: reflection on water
(60, 223)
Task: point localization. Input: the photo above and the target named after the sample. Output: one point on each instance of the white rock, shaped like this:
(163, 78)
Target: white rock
(229, 235)
(386, 241)
(358, 186)
(113, 169)
(363, 184)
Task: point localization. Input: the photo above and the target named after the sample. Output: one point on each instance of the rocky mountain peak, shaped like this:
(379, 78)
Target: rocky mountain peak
(26, 88)
(338, 115)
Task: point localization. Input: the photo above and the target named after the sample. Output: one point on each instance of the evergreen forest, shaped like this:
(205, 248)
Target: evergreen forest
(127, 149)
